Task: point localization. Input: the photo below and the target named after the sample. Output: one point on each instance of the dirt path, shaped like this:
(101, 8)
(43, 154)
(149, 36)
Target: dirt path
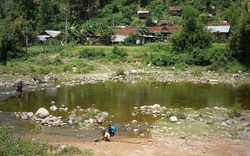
(119, 146)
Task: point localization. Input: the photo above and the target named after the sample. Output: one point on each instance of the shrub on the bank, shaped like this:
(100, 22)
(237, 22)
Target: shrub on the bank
(9, 145)
(37, 128)
(236, 110)
(71, 150)
(118, 53)
(158, 47)
(92, 54)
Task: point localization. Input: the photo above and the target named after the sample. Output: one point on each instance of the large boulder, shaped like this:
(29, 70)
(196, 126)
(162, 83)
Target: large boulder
(42, 113)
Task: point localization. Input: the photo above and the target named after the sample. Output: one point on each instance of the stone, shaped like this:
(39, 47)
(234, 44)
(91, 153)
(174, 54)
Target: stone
(134, 121)
(30, 114)
(53, 108)
(223, 123)
(42, 113)
(173, 119)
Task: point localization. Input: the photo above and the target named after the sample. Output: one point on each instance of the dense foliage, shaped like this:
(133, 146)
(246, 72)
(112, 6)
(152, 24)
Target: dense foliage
(193, 34)
(240, 39)
(22, 20)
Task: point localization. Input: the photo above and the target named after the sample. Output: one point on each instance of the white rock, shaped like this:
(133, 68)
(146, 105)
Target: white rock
(53, 108)
(30, 114)
(42, 113)
(134, 121)
(173, 119)
(224, 124)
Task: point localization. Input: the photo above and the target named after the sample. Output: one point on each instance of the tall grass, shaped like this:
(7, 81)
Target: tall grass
(11, 145)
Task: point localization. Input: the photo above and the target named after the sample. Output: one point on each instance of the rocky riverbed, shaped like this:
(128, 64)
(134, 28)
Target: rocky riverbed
(209, 131)
(8, 82)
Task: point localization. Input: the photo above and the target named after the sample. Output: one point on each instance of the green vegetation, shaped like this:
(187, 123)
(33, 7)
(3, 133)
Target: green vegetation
(192, 35)
(43, 60)
(235, 110)
(10, 144)
(22, 21)
(37, 128)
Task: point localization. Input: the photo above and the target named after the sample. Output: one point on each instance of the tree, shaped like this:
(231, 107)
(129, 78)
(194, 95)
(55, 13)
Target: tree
(106, 34)
(240, 39)
(2, 13)
(131, 39)
(159, 38)
(232, 14)
(48, 12)
(128, 12)
(149, 22)
(142, 31)
(193, 33)
(157, 8)
(77, 33)
(12, 42)
(29, 9)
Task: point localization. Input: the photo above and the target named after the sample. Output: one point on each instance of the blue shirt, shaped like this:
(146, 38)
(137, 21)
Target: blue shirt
(112, 130)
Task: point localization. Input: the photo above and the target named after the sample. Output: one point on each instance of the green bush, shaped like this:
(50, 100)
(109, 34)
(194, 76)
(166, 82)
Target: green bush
(118, 53)
(9, 145)
(167, 59)
(200, 57)
(220, 59)
(158, 47)
(71, 150)
(235, 110)
(37, 128)
(91, 54)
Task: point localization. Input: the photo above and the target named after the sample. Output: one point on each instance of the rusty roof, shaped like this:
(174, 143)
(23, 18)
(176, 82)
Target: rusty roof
(174, 9)
(165, 22)
(126, 31)
(152, 30)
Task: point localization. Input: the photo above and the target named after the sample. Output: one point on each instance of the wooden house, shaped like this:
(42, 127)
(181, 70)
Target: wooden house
(142, 14)
(175, 11)
(221, 31)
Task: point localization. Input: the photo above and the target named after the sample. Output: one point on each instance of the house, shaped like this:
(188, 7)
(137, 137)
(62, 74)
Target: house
(92, 38)
(166, 31)
(221, 32)
(166, 22)
(47, 34)
(175, 11)
(142, 14)
(121, 34)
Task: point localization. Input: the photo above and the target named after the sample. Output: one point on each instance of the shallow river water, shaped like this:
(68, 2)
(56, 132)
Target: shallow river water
(119, 99)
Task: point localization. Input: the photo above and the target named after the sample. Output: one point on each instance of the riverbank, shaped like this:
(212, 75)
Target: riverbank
(122, 73)
(166, 139)
(209, 131)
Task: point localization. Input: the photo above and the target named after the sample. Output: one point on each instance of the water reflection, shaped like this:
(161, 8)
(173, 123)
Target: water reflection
(119, 99)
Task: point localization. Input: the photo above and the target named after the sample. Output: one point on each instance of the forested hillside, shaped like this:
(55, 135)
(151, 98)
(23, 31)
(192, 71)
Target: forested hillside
(21, 21)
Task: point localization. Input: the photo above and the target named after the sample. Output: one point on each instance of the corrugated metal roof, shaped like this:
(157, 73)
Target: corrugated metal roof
(126, 31)
(141, 12)
(118, 38)
(221, 29)
(52, 33)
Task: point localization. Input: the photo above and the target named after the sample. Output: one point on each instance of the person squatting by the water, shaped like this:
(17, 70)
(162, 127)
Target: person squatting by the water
(111, 130)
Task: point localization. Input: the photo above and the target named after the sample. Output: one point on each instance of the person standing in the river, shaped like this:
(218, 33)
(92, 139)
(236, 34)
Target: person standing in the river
(19, 87)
